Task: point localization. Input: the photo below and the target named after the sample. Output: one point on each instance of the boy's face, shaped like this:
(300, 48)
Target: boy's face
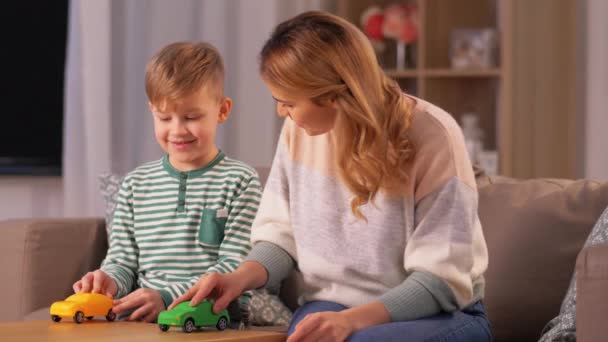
(186, 129)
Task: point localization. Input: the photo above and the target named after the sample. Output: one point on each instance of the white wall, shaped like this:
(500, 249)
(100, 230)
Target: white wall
(596, 99)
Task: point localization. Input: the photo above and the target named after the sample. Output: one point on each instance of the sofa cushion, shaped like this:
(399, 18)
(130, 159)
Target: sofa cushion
(534, 230)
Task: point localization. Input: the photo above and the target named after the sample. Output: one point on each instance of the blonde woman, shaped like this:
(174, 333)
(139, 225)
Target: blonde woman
(371, 196)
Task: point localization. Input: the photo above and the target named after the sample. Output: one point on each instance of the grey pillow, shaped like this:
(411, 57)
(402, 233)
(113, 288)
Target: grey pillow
(109, 185)
(267, 309)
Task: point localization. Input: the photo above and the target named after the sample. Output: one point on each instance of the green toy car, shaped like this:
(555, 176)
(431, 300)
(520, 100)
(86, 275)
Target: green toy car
(193, 317)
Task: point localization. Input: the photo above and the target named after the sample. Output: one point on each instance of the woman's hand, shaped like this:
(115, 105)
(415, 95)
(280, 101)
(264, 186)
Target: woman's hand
(323, 326)
(338, 326)
(148, 303)
(224, 288)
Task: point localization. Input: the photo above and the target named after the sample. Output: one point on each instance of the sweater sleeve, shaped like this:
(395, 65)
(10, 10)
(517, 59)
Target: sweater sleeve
(446, 254)
(272, 235)
(121, 262)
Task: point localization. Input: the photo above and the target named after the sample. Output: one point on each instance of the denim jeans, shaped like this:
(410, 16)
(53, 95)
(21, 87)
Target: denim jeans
(470, 324)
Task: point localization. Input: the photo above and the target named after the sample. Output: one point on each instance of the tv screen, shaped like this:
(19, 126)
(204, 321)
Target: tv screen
(33, 55)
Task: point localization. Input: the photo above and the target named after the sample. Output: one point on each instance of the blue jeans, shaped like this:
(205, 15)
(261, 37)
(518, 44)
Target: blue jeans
(470, 324)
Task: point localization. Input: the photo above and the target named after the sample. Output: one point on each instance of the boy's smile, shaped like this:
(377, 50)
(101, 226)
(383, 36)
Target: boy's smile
(182, 145)
(186, 128)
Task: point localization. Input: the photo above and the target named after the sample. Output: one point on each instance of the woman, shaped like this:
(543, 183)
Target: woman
(371, 196)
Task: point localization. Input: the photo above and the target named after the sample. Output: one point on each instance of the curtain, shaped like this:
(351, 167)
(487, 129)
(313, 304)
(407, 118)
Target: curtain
(108, 127)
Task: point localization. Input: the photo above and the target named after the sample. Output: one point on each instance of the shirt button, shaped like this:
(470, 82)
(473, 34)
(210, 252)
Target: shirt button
(184, 175)
(181, 203)
(182, 188)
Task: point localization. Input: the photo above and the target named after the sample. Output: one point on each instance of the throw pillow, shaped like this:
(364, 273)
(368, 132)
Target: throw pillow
(563, 327)
(109, 185)
(267, 309)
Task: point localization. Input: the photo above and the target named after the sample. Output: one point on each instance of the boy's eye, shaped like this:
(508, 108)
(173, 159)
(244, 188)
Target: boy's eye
(193, 117)
(164, 118)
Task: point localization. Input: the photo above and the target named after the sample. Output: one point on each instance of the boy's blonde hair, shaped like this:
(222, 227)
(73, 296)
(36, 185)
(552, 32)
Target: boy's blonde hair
(324, 57)
(180, 69)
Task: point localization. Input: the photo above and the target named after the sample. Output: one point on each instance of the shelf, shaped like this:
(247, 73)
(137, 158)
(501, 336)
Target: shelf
(429, 75)
(444, 73)
(402, 73)
(439, 73)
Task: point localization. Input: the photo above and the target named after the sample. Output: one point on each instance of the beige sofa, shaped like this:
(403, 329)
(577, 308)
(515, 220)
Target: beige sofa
(534, 229)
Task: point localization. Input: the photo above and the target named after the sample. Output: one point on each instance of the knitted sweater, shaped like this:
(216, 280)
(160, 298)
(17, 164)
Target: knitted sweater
(171, 227)
(418, 253)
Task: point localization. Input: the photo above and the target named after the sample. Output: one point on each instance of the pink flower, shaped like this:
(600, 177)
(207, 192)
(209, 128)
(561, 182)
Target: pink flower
(371, 23)
(401, 22)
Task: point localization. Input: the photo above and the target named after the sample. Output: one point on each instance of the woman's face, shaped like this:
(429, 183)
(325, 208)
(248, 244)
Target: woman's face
(313, 118)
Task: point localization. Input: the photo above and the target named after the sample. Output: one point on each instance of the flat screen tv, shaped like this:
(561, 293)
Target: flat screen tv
(33, 59)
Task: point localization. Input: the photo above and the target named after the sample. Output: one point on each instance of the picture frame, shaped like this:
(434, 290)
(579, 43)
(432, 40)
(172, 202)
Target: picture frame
(473, 48)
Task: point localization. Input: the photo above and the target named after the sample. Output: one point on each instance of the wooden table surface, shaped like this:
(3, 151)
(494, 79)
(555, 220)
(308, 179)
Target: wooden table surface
(98, 330)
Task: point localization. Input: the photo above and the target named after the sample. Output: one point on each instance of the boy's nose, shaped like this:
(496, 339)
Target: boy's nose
(178, 127)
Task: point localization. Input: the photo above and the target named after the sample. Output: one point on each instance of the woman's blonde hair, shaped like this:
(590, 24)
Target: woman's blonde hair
(182, 68)
(324, 57)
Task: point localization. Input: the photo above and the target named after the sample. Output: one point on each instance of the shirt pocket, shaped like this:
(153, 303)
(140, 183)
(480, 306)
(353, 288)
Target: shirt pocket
(211, 229)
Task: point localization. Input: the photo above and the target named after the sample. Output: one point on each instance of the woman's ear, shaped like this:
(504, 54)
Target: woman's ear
(225, 110)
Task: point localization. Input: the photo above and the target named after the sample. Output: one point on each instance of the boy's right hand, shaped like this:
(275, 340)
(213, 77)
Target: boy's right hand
(97, 282)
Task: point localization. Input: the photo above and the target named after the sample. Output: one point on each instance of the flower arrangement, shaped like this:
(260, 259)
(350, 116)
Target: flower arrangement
(397, 21)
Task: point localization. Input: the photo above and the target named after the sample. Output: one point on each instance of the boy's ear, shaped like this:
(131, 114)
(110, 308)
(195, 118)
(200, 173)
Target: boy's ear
(225, 109)
(152, 107)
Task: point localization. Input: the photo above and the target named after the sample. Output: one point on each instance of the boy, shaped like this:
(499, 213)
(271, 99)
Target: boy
(189, 213)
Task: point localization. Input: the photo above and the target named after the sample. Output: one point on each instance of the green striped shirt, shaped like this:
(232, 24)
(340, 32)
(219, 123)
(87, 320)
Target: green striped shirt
(171, 227)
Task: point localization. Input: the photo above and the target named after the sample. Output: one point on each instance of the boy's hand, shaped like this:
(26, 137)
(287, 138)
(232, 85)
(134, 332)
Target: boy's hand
(97, 282)
(147, 302)
(223, 288)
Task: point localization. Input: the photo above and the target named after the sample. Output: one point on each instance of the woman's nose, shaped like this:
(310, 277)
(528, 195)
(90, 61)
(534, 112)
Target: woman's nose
(281, 110)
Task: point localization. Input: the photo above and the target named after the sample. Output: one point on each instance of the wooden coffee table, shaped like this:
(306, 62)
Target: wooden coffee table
(103, 331)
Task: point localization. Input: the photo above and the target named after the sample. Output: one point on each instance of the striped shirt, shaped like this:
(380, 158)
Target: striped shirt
(171, 227)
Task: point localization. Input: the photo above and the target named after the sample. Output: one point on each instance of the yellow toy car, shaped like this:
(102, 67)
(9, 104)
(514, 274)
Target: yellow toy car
(83, 305)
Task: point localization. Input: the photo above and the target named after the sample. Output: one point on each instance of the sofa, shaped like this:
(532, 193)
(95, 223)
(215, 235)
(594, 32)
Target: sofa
(535, 230)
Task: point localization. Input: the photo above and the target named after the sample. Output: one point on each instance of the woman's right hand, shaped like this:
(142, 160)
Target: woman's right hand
(97, 282)
(224, 288)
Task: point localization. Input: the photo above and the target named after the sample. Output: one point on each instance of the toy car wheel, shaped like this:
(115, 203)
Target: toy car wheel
(89, 317)
(111, 316)
(189, 326)
(79, 317)
(163, 327)
(55, 318)
(222, 323)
